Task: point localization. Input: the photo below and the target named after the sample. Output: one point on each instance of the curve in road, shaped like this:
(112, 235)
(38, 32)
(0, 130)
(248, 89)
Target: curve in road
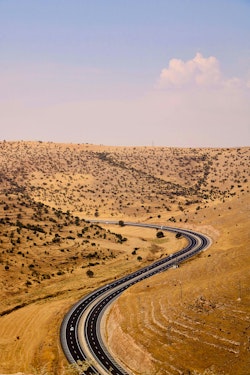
(80, 330)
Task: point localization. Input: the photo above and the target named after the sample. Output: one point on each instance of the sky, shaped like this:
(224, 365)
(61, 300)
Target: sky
(126, 72)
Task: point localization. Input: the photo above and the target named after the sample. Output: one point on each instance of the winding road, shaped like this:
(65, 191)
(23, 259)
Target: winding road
(81, 338)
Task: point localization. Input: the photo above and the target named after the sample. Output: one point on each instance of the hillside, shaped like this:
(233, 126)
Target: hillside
(51, 255)
(196, 319)
(98, 180)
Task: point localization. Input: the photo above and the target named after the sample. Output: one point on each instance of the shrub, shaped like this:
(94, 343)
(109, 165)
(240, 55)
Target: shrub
(90, 273)
(160, 234)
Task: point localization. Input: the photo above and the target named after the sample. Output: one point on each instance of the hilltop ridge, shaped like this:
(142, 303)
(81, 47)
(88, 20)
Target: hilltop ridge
(130, 181)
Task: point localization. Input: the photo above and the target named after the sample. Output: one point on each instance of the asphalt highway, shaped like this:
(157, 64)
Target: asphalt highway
(80, 330)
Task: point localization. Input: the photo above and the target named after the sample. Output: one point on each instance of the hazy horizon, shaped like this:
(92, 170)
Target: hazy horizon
(143, 73)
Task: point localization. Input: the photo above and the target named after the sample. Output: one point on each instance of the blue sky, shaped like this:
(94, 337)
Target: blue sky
(168, 73)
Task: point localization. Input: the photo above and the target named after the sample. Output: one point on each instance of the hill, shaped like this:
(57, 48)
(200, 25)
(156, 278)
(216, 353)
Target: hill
(51, 254)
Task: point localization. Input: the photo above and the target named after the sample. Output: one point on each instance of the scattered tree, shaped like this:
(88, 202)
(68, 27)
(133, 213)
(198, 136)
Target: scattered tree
(160, 234)
(90, 273)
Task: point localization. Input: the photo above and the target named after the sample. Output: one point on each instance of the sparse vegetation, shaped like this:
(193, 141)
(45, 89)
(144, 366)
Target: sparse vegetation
(48, 248)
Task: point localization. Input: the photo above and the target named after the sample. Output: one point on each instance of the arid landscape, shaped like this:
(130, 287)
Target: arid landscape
(191, 320)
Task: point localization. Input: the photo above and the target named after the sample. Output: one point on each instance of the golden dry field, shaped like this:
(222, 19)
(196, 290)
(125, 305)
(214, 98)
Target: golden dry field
(190, 320)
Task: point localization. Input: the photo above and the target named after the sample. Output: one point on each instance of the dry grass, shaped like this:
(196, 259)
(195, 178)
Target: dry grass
(46, 192)
(195, 318)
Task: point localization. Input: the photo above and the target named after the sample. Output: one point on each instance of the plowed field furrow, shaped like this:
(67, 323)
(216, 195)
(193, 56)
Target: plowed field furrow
(198, 338)
(208, 327)
(213, 333)
(237, 314)
(149, 323)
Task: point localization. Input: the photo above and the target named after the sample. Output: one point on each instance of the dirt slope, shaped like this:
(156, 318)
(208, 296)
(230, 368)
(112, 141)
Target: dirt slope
(195, 319)
(47, 193)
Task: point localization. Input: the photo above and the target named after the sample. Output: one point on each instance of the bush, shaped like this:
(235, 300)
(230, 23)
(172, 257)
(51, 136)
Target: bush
(160, 234)
(90, 273)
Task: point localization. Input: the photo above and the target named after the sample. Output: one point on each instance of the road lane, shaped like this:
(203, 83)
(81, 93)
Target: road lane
(80, 331)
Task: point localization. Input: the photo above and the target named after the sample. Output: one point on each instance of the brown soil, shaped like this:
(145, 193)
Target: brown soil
(201, 310)
(194, 319)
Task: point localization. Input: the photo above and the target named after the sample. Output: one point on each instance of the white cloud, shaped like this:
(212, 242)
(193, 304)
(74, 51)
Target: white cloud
(200, 71)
